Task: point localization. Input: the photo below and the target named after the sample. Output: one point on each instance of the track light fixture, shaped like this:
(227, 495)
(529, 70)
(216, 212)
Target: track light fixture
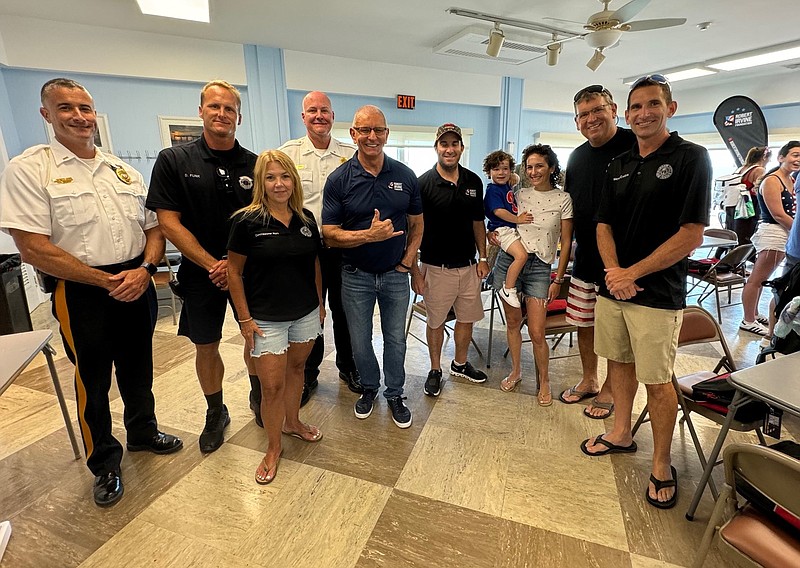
(553, 49)
(496, 39)
(596, 59)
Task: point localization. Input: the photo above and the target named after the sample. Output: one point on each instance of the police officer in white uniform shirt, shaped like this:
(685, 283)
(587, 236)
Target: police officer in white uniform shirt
(317, 155)
(78, 215)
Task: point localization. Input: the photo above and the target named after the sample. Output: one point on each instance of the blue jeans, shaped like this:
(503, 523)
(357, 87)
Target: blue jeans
(391, 289)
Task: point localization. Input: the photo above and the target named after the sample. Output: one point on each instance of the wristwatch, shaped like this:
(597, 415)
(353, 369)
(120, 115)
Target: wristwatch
(483, 259)
(150, 268)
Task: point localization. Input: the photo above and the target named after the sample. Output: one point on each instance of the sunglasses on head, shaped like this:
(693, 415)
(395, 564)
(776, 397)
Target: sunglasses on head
(593, 89)
(654, 78)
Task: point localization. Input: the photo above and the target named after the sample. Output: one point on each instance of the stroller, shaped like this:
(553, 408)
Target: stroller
(786, 337)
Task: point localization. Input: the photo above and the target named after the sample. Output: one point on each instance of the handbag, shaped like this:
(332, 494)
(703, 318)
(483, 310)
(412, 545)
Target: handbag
(744, 207)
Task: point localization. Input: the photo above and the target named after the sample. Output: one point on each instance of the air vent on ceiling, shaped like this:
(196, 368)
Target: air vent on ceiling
(471, 42)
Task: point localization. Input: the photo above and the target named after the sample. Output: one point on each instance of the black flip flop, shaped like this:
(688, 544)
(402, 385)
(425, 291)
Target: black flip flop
(611, 448)
(659, 485)
(572, 391)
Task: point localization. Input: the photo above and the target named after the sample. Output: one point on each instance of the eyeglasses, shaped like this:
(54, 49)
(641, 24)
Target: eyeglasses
(591, 89)
(365, 130)
(655, 78)
(594, 112)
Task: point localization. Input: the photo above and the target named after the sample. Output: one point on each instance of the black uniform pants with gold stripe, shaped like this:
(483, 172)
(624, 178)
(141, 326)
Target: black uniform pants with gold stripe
(99, 331)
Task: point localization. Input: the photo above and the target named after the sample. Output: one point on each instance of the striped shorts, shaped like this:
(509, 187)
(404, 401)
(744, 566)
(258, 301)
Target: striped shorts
(580, 302)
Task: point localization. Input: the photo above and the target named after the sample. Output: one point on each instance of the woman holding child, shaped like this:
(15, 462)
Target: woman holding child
(543, 218)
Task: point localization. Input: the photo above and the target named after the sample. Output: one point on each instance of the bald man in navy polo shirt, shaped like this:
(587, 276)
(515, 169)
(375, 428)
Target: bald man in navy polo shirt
(372, 209)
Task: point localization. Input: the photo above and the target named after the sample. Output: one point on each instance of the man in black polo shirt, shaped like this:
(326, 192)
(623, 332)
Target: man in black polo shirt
(194, 189)
(596, 119)
(652, 213)
(452, 207)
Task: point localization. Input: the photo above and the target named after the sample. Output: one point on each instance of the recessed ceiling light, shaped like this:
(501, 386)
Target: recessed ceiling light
(755, 60)
(688, 74)
(194, 10)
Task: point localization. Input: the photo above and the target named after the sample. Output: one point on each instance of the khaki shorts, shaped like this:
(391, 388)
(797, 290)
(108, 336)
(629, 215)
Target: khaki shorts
(630, 333)
(507, 237)
(456, 288)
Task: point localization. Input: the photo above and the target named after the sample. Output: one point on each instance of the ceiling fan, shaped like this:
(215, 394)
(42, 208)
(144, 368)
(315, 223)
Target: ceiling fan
(604, 29)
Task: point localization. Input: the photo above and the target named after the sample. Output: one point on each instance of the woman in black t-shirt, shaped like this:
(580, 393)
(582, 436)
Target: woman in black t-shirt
(275, 283)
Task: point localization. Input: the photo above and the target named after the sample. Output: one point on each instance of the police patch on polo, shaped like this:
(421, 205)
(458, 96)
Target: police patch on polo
(664, 171)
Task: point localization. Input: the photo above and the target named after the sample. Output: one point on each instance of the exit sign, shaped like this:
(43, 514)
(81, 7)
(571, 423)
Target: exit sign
(406, 101)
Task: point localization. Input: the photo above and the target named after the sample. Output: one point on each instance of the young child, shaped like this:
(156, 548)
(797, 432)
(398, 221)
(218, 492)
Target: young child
(501, 211)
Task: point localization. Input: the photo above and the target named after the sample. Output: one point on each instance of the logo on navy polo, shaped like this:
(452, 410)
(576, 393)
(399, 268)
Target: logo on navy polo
(664, 171)
(305, 231)
(472, 192)
(246, 182)
(396, 185)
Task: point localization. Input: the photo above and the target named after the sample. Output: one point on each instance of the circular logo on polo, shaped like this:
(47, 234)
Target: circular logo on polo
(664, 171)
(246, 182)
(306, 232)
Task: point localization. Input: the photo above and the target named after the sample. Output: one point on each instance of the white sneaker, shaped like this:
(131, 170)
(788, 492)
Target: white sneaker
(765, 342)
(763, 320)
(510, 296)
(753, 327)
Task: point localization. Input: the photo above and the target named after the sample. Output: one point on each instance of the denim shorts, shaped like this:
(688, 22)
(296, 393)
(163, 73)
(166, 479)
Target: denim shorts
(533, 281)
(278, 334)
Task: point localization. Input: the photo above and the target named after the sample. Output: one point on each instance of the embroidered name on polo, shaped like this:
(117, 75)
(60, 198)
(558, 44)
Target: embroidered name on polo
(188, 175)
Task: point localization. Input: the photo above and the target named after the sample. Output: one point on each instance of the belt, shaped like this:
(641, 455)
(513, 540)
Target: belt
(127, 265)
(461, 264)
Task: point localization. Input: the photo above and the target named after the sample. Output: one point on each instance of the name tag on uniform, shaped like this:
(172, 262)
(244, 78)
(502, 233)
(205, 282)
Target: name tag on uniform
(301, 166)
(62, 180)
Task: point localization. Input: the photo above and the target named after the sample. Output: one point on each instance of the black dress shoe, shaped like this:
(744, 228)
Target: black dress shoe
(217, 419)
(308, 389)
(161, 443)
(256, 408)
(108, 489)
(353, 380)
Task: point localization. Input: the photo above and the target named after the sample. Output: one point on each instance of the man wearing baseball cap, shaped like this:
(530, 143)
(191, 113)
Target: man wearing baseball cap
(452, 210)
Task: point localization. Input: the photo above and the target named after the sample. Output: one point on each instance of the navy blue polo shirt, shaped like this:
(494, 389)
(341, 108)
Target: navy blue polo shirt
(645, 200)
(350, 198)
(205, 187)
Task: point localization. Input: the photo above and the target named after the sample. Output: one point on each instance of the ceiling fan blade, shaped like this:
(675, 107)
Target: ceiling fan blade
(641, 25)
(629, 10)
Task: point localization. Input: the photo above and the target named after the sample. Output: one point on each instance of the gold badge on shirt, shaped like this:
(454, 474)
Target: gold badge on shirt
(122, 175)
(62, 180)
(343, 160)
(120, 172)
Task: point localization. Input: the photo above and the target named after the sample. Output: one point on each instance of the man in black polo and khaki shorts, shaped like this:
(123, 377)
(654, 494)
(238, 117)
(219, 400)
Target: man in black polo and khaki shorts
(449, 275)
(653, 209)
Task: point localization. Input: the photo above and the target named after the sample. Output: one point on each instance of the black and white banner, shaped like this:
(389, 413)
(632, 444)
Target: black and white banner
(741, 124)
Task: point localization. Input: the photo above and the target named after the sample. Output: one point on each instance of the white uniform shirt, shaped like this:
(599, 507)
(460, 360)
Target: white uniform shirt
(92, 209)
(549, 208)
(314, 166)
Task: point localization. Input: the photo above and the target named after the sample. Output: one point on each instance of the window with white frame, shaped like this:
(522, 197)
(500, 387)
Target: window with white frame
(411, 145)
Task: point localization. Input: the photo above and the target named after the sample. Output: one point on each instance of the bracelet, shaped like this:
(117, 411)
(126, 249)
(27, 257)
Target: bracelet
(483, 259)
(246, 320)
(558, 280)
(404, 266)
